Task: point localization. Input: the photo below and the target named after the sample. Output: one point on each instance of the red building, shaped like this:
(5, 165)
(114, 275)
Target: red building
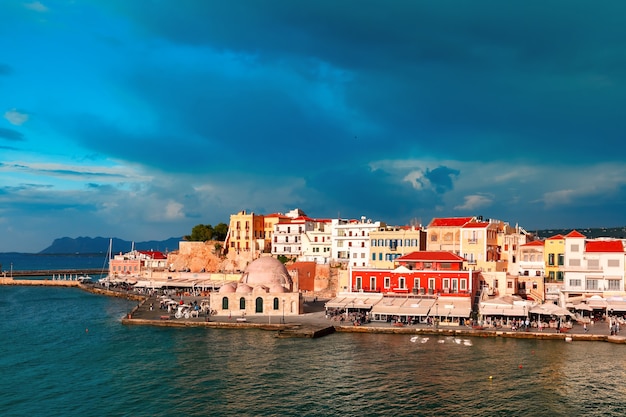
(423, 272)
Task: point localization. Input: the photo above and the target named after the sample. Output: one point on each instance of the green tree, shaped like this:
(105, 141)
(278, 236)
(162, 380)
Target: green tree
(220, 231)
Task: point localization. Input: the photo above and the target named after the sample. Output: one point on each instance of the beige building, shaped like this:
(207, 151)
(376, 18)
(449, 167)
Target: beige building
(390, 242)
(479, 246)
(444, 233)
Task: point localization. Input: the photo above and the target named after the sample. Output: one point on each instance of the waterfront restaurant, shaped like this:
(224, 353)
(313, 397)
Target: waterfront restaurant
(423, 285)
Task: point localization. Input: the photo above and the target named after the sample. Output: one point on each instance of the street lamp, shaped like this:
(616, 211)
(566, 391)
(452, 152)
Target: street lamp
(283, 311)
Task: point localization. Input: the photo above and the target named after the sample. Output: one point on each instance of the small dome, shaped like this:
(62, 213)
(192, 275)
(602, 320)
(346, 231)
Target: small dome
(243, 289)
(267, 271)
(260, 289)
(227, 289)
(278, 289)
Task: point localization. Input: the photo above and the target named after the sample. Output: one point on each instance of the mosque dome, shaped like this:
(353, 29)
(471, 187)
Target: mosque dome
(227, 289)
(243, 289)
(269, 272)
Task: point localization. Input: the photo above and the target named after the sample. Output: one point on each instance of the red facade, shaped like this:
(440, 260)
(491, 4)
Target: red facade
(423, 272)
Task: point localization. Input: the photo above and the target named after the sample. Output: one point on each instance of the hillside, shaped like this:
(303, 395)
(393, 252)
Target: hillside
(590, 233)
(101, 245)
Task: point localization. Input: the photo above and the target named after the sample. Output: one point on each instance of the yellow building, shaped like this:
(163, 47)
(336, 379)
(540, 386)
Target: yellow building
(390, 242)
(554, 257)
(246, 233)
(479, 246)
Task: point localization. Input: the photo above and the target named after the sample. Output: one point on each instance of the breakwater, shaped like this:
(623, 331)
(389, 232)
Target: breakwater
(39, 282)
(52, 272)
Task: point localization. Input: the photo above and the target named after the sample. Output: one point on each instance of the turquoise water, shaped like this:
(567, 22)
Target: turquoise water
(66, 353)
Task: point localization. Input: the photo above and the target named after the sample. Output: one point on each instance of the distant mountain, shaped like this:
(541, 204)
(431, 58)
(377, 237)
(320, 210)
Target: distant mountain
(590, 233)
(101, 245)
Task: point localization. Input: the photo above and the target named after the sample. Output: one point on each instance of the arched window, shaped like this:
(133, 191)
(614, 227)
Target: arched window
(242, 303)
(275, 305)
(225, 303)
(259, 305)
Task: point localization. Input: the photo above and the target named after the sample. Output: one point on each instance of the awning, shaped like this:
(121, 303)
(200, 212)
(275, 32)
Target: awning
(550, 309)
(502, 310)
(455, 306)
(364, 301)
(616, 305)
(405, 306)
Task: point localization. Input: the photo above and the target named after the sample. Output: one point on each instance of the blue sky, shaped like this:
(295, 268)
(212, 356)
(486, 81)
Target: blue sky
(140, 119)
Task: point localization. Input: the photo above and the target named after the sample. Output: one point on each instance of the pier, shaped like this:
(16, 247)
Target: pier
(51, 272)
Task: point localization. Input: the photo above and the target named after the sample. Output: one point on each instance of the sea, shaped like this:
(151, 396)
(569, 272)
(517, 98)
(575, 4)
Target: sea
(66, 353)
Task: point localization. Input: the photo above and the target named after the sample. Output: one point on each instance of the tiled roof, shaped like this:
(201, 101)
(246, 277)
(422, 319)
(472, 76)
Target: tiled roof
(556, 237)
(153, 254)
(477, 225)
(426, 256)
(575, 233)
(604, 246)
(449, 221)
(534, 243)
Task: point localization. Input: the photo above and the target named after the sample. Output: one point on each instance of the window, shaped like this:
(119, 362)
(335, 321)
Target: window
(416, 283)
(225, 303)
(372, 283)
(551, 259)
(509, 284)
(593, 263)
(574, 283)
(431, 283)
(463, 285)
(433, 237)
(373, 242)
(380, 256)
(373, 256)
(242, 303)
(446, 283)
(559, 276)
(455, 285)
(613, 263)
(614, 284)
(574, 262)
(275, 303)
(387, 282)
(428, 265)
(402, 283)
(591, 284)
(575, 248)
(445, 265)
(561, 259)
(359, 283)
(551, 275)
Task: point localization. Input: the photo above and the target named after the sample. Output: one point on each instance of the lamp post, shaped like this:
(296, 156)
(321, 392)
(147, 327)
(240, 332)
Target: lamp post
(283, 311)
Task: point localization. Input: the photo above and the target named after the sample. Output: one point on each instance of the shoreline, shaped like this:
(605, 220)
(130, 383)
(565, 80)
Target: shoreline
(312, 325)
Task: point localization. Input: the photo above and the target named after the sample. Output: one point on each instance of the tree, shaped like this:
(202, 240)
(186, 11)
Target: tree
(205, 232)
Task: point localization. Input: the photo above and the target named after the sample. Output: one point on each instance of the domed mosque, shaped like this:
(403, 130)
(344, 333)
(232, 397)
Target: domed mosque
(265, 289)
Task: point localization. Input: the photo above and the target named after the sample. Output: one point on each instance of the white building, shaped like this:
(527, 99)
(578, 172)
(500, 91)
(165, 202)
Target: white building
(593, 268)
(317, 243)
(350, 240)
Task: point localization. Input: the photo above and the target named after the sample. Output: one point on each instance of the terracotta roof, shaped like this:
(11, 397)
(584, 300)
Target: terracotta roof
(575, 233)
(556, 237)
(534, 243)
(449, 221)
(604, 246)
(476, 225)
(153, 254)
(430, 256)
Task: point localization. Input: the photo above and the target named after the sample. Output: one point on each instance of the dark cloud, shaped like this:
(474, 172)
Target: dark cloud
(11, 134)
(441, 178)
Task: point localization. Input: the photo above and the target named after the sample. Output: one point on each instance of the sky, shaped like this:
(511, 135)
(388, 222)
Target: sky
(141, 119)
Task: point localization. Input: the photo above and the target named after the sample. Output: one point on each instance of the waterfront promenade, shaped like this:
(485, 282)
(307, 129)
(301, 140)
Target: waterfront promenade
(313, 323)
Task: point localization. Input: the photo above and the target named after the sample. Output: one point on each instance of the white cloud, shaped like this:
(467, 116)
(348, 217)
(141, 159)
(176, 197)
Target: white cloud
(473, 202)
(15, 117)
(174, 210)
(36, 6)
